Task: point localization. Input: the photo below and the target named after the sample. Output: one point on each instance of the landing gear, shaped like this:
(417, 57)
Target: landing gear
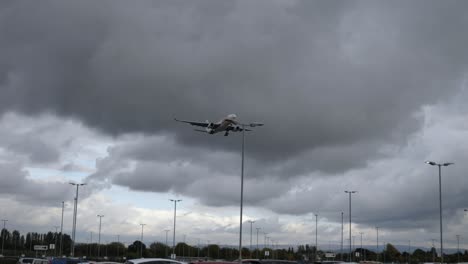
(226, 134)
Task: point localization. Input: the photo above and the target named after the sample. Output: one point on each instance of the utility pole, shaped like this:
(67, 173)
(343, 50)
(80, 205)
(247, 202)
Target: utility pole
(433, 251)
(458, 248)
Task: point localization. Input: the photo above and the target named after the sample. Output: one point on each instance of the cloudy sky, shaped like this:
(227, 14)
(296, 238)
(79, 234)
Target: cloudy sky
(355, 95)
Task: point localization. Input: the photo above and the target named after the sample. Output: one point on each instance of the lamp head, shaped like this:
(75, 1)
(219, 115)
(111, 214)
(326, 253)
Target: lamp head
(430, 163)
(448, 163)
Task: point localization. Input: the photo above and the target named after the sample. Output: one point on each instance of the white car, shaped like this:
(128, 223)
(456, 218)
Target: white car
(153, 261)
(31, 261)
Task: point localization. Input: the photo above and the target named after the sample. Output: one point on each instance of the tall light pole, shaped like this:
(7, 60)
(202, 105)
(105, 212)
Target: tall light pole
(242, 185)
(173, 234)
(3, 233)
(350, 250)
(258, 228)
(458, 248)
(167, 231)
(361, 233)
(316, 230)
(409, 251)
(251, 223)
(61, 230)
(342, 225)
(141, 245)
(99, 237)
(75, 212)
(440, 203)
(377, 244)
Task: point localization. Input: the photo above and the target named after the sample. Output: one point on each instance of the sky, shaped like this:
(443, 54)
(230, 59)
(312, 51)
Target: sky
(354, 95)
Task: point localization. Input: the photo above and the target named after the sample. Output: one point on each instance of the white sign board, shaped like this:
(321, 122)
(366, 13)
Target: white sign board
(330, 255)
(173, 256)
(40, 247)
(357, 254)
(267, 253)
(52, 246)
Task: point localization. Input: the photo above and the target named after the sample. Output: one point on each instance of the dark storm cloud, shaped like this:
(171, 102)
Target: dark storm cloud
(318, 74)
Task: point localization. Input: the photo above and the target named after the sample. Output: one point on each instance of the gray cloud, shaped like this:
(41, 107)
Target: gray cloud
(334, 76)
(349, 92)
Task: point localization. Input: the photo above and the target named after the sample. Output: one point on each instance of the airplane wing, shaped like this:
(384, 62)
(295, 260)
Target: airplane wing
(193, 123)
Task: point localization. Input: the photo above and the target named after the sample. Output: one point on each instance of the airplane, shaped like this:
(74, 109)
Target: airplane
(226, 125)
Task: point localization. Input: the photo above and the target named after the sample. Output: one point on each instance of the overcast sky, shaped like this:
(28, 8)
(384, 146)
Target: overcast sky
(355, 95)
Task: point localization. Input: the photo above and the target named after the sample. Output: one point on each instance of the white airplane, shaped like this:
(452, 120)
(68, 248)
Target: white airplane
(227, 124)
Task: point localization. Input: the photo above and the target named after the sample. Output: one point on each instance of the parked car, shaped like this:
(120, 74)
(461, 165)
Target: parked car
(40, 261)
(153, 261)
(25, 260)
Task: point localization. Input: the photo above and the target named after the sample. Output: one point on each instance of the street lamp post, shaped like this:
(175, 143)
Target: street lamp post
(458, 248)
(258, 228)
(350, 192)
(361, 233)
(99, 237)
(141, 245)
(251, 223)
(342, 225)
(3, 233)
(75, 212)
(242, 184)
(316, 235)
(440, 203)
(377, 244)
(61, 230)
(173, 231)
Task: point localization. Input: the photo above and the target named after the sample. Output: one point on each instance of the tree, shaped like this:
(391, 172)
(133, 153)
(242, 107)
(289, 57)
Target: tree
(159, 250)
(391, 253)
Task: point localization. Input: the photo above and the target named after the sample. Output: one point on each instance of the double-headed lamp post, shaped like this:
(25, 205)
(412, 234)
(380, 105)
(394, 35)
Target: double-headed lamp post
(173, 234)
(99, 236)
(350, 249)
(243, 126)
(440, 203)
(75, 212)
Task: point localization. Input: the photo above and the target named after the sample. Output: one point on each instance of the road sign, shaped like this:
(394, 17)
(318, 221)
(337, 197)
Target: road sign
(52, 246)
(40, 247)
(173, 256)
(267, 253)
(330, 255)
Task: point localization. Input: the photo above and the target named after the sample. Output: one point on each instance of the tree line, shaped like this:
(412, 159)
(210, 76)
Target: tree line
(15, 244)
